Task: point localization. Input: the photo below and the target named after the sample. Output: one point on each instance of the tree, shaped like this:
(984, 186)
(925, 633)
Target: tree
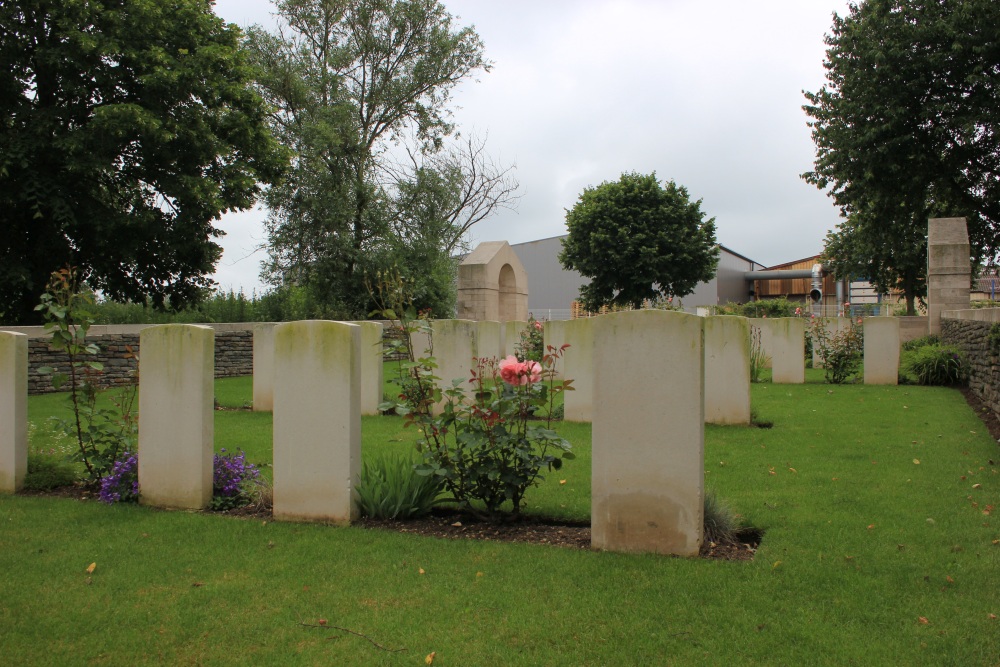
(906, 128)
(637, 240)
(126, 128)
(356, 86)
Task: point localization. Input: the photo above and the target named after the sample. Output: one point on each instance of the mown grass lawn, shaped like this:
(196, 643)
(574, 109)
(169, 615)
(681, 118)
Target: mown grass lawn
(881, 548)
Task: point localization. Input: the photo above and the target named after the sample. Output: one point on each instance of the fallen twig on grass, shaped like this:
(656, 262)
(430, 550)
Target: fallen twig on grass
(356, 634)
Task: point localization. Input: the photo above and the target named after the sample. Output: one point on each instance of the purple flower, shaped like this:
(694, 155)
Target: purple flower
(122, 484)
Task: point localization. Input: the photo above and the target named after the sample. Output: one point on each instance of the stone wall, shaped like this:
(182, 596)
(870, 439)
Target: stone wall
(118, 344)
(969, 330)
(233, 358)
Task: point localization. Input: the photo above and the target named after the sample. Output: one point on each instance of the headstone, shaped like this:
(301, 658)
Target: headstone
(881, 350)
(263, 367)
(317, 421)
(13, 411)
(372, 367)
(727, 370)
(648, 433)
(512, 336)
(948, 268)
(488, 338)
(455, 347)
(577, 365)
(784, 340)
(554, 334)
(176, 415)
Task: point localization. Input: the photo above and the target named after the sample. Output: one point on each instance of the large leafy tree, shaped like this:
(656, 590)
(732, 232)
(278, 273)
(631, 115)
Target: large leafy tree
(361, 91)
(126, 128)
(638, 240)
(907, 127)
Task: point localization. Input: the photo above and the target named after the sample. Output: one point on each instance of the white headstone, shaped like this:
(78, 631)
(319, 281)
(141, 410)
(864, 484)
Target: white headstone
(784, 340)
(13, 410)
(881, 350)
(648, 433)
(578, 365)
(317, 420)
(263, 367)
(727, 370)
(176, 415)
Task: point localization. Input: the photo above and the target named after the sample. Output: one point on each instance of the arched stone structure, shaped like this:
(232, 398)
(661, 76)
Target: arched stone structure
(492, 284)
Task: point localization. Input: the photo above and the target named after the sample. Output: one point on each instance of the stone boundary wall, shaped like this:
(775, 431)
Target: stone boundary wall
(233, 352)
(969, 330)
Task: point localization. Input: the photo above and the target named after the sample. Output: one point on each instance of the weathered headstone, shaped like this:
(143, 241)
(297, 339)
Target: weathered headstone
(177, 419)
(455, 347)
(13, 410)
(948, 268)
(317, 420)
(512, 336)
(881, 350)
(554, 334)
(577, 365)
(727, 370)
(784, 340)
(489, 339)
(372, 368)
(648, 433)
(263, 367)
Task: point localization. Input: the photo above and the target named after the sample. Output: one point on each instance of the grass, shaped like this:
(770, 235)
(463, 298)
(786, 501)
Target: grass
(866, 493)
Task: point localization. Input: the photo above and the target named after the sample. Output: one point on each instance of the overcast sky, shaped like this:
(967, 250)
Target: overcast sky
(706, 93)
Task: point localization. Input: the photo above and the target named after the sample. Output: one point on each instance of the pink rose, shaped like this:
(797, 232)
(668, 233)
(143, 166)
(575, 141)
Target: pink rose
(798, 311)
(509, 369)
(533, 370)
(538, 325)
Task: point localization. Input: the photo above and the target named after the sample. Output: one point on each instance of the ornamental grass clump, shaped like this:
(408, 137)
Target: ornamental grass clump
(391, 489)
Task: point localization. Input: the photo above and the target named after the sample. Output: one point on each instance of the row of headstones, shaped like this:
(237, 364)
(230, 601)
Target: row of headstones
(646, 373)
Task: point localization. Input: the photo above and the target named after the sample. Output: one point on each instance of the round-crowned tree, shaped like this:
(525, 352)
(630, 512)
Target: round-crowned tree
(638, 240)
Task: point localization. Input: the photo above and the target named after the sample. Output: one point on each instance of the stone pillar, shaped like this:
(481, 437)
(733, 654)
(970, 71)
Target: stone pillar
(176, 415)
(489, 339)
(372, 381)
(648, 432)
(784, 340)
(13, 411)
(727, 370)
(263, 367)
(317, 421)
(948, 268)
(512, 335)
(881, 350)
(577, 365)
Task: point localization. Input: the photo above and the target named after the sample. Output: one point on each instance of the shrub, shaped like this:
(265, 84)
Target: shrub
(531, 345)
(391, 489)
(937, 365)
(121, 485)
(780, 307)
(48, 472)
(842, 353)
(233, 481)
(485, 447)
(923, 341)
(103, 436)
